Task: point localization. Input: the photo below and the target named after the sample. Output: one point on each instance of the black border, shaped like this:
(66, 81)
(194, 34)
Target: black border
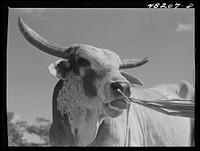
(86, 4)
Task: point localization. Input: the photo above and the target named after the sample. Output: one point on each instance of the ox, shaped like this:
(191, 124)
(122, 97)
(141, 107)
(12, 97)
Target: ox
(89, 111)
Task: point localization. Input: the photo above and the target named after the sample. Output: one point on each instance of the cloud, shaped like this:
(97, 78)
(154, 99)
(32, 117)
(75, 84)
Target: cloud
(38, 12)
(184, 27)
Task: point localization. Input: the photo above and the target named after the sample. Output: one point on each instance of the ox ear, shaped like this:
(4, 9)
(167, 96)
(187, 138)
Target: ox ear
(131, 79)
(60, 69)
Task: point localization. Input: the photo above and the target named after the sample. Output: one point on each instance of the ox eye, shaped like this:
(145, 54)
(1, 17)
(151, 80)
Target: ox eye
(83, 62)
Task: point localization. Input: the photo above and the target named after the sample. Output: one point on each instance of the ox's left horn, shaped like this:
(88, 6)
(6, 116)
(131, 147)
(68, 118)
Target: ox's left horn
(132, 63)
(41, 43)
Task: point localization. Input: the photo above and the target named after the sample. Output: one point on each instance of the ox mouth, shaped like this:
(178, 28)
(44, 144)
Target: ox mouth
(115, 107)
(119, 103)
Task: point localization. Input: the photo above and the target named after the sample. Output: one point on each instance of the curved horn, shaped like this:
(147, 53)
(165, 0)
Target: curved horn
(132, 63)
(41, 43)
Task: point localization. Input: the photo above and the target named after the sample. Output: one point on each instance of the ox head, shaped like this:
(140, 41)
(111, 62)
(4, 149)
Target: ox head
(91, 78)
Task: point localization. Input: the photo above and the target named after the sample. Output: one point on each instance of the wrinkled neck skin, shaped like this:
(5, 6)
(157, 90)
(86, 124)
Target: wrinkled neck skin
(84, 115)
(79, 120)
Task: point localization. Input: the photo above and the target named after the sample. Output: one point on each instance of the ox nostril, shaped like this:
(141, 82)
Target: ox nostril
(124, 87)
(116, 85)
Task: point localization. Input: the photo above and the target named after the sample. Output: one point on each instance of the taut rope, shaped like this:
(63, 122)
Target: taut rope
(173, 107)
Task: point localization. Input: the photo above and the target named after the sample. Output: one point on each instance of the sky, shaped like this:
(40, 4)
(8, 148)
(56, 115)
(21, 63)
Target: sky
(166, 36)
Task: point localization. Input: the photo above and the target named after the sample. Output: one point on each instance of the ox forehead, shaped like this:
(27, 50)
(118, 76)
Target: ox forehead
(98, 56)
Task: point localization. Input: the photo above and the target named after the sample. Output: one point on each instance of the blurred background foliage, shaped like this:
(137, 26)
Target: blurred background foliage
(19, 129)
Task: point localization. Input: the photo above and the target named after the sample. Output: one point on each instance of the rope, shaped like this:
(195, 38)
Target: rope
(173, 107)
(127, 122)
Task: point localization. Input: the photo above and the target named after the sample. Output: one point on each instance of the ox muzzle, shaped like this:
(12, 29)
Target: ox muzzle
(114, 107)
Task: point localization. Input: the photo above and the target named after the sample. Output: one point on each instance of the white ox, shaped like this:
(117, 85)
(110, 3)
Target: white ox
(89, 111)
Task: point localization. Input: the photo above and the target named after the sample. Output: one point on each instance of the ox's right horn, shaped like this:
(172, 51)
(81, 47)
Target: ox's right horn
(41, 43)
(132, 63)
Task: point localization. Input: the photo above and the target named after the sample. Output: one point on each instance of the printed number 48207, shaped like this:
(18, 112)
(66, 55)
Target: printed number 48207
(164, 5)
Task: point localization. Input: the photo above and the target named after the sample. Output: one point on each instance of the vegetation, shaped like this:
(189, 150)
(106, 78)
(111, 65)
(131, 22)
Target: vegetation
(17, 129)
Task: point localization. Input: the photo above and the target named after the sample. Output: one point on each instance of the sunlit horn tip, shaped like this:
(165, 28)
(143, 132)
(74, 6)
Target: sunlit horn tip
(146, 59)
(19, 18)
(20, 23)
